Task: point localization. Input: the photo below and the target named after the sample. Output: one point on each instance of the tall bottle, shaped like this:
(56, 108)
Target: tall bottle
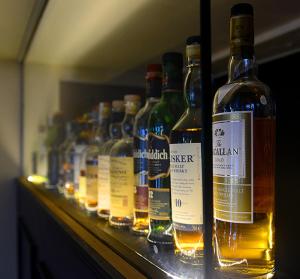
(140, 146)
(62, 156)
(243, 160)
(115, 133)
(100, 136)
(162, 118)
(121, 168)
(73, 155)
(56, 135)
(185, 165)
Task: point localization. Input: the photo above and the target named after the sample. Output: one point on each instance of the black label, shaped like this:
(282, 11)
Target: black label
(158, 156)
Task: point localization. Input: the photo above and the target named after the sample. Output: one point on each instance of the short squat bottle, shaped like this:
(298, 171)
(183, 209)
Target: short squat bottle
(100, 135)
(121, 169)
(243, 161)
(185, 164)
(104, 159)
(140, 145)
(162, 118)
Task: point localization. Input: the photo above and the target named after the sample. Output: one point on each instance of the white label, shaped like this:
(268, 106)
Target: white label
(229, 158)
(103, 182)
(186, 183)
(121, 182)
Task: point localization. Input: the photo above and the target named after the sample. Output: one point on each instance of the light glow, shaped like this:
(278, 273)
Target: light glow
(37, 179)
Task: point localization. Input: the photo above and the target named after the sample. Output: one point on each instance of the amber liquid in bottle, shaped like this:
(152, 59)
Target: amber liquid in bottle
(244, 246)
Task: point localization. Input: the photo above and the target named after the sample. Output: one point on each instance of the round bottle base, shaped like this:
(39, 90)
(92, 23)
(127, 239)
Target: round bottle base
(103, 213)
(160, 239)
(120, 222)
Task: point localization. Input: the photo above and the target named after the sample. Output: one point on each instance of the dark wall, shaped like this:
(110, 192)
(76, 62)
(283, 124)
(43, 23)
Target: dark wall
(77, 98)
(282, 76)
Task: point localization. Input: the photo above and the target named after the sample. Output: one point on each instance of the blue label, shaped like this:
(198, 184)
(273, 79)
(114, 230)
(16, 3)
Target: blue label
(158, 156)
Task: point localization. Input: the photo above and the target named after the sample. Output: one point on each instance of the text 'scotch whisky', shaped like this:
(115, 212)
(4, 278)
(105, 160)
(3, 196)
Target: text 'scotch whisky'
(186, 165)
(243, 161)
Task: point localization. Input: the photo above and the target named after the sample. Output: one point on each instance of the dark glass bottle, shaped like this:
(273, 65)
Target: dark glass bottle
(243, 160)
(162, 118)
(185, 164)
(140, 146)
(115, 133)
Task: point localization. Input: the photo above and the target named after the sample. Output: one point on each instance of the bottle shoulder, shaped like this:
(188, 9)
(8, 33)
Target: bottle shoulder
(122, 148)
(244, 95)
(190, 119)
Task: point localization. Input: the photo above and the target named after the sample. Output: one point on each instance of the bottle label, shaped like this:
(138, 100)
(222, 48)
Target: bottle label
(121, 181)
(91, 180)
(159, 204)
(158, 156)
(140, 174)
(186, 183)
(103, 182)
(233, 166)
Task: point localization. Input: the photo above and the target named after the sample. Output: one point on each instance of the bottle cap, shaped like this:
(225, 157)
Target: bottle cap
(174, 57)
(104, 109)
(118, 105)
(132, 98)
(242, 9)
(154, 71)
(193, 47)
(132, 103)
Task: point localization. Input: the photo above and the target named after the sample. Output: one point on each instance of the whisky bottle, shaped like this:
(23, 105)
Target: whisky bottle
(162, 118)
(121, 169)
(55, 137)
(243, 160)
(140, 131)
(185, 165)
(100, 135)
(74, 155)
(104, 159)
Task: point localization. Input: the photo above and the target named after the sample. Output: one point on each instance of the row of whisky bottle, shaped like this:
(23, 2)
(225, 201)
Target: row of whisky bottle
(151, 178)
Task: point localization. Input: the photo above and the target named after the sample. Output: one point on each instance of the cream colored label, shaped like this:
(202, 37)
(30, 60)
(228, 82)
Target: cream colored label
(121, 182)
(186, 183)
(82, 187)
(103, 182)
(91, 183)
(232, 166)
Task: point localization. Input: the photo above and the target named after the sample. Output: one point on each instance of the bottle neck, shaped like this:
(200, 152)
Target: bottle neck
(115, 128)
(153, 88)
(192, 84)
(241, 66)
(127, 125)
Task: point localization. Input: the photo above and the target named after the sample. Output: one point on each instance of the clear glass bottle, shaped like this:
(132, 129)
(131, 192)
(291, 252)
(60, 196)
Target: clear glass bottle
(104, 159)
(162, 118)
(140, 146)
(243, 161)
(42, 153)
(101, 134)
(121, 169)
(56, 135)
(74, 152)
(62, 156)
(185, 165)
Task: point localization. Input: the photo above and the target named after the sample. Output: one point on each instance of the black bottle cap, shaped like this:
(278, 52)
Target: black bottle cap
(242, 9)
(193, 40)
(175, 57)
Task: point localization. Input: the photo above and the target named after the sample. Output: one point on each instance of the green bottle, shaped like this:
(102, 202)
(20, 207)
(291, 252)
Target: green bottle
(162, 118)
